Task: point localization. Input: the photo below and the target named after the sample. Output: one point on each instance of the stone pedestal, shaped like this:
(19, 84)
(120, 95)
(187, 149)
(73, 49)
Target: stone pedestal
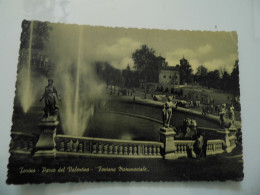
(45, 147)
(167, 138)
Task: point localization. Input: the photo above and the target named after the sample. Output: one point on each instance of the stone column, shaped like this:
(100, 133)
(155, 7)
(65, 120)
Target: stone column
(167, 138)
(45, 147)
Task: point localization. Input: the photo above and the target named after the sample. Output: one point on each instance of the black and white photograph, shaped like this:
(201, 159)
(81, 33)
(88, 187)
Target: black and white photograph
(97, 103)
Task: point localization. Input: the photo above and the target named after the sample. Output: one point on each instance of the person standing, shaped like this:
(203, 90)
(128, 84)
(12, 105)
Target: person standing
(198, 146)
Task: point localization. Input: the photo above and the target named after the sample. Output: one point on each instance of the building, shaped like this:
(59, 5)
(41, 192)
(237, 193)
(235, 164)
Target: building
(169, 76)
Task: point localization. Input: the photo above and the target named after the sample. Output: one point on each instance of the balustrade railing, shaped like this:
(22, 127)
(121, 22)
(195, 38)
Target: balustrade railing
(184, 147)
(81, 146)
(22, 143)
(215, 146)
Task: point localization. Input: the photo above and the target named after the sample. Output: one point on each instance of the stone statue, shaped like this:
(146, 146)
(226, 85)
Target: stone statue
(232, 115)
(167, 112)
(221, 116)
(189, 128)
(50, 108)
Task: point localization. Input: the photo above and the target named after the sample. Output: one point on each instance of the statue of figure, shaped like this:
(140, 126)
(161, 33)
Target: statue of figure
(232, 115)
(167, 112)
(189, 128)
(50, 100)
(221, 116)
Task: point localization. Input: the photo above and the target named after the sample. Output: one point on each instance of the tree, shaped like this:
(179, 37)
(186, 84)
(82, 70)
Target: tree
(117, 77)
(202, 71)
(108, 73)
(40, 34)
(225, 81)
(146, 63)
(130, 77)
(234, 78)
(185, 71)
(126, 73)
(213, 79)
(201, 74)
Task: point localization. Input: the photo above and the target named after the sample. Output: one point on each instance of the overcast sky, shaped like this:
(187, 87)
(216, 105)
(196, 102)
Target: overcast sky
(214, 50)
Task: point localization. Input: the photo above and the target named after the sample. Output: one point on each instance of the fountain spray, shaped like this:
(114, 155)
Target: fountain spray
(25, 89)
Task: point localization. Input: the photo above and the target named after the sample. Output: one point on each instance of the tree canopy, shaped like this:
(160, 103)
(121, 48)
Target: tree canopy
(185, 71)
(201, 75)
(234, 78)
(40, 34)
(146, 63)
(131, 78)
(108, 73)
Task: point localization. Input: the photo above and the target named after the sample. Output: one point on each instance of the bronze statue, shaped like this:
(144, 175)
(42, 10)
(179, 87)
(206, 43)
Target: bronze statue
(50, 100)
(167, 112)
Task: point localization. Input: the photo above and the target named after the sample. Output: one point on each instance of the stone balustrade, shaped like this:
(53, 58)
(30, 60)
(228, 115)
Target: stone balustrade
(215, 147)
(84, 146)
(66, 145)
(229, 139)
(22, 143)
(184, 148)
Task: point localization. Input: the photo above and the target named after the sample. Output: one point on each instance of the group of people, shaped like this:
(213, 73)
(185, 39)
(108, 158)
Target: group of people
(168, 91)
(194, 104)
(223, 112)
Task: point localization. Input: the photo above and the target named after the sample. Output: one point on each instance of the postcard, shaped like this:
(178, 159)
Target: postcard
(95, 103)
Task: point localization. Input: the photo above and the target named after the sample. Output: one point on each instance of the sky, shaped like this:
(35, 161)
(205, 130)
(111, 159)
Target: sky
(214, 50)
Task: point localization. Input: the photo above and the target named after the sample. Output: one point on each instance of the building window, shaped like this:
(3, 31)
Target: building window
(170, 77)
(164, 76)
